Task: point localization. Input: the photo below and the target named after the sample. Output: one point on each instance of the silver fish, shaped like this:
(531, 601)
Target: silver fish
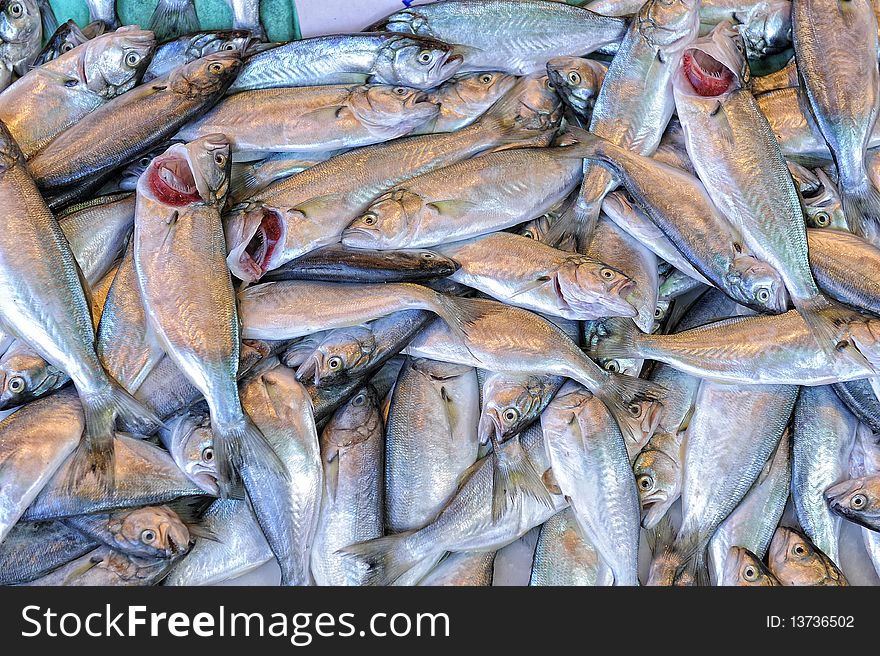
(578, 80)
(466, 568)
(564, 557)
(246, 16)
(103, 10)
(464, 98)
(106, 566)
(187, 48)
(21, 36)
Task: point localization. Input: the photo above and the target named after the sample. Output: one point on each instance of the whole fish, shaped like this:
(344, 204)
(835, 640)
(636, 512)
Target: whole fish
(339, 263)
(752, 524)
(352, 507)
(532, 275)
(106, 566)
(578, 81)
(103, 10)
(154, 112)
(517, 37)
(794, 560)
(21, 36)
(184, 49)
(384, 58)
(44, 303)
(835, 44)
(564, 557)
(635, 100)
(323, 118)
(743, 568)
(171, 18)
(150, 532)
(741, 165)
(324, 199)
(246, 16)
(467, 568)
(592, 468)
(32, 550)
(464, 98)
(465, 523)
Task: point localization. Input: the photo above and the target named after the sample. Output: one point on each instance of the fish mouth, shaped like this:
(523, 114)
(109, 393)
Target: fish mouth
(310, 369)
(653, 509)
(171, 180)
(707, 76)
(263, 230)
(359, 238)
(489, 427)
(207, 481)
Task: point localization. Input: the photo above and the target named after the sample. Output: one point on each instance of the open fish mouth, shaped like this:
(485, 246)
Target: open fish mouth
(172, 181)
(207, 481)
(707, 76)
(257, 252)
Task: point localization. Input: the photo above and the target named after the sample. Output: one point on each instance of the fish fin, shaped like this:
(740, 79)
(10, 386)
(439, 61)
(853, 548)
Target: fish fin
(244, 182)
(819, 314)
(95, 453)
(564, 227)
(169, 21)
(454, 209)
(458, 313)
(621, 340)
(540, 281)
(93, 29)
(661, 536)
(861, 206)
(47, 18)
(514, 474)
(694, 570)
(382, 561)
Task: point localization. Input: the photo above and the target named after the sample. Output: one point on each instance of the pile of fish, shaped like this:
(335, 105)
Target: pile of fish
(490, 276)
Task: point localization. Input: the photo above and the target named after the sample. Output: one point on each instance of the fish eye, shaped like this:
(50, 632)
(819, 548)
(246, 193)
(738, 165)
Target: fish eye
(359, 400)
(574, 77)
(334, 363)
(208, 454)
(763, 295)
(67, 47)
(613, 366)
(822, 219)
(220, 159)
(510, 415)
(426, 57)
(369, 219)
(658, 312)
(132, 59)
(645, 482)
(228, 46)
(16, 10)
(148, 536)
(16, 384)
(858, 501)
(400, 91)
(427, 256)
(215, 67)
(634, 409)
(799, 550)
(549, 85)
(606, 273)
(144, 161)
(750, 573)
(485, 78)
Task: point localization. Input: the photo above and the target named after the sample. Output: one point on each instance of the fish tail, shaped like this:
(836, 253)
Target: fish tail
(382, 561)
(173, 18)
(861, 206)
(695, 570)
(563, 229)
(47, 18)
(622, 340)
(514, 474)
(243, 446)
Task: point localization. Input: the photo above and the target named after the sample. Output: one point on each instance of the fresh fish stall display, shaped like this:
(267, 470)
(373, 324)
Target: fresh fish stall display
(475, 293)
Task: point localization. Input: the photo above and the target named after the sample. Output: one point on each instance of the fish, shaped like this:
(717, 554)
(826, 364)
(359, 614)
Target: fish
(591, 466)
(464, 98)
(658, 472)
(246, 16)
(786, 77)
(320, 118)
(189, 440)
(511, 402)
(794, 560)
(743, 568)
(834, 44)
(149, 532)
(154, 113)
(189, 47)
(21, 37)
(379, 57)
(856, 500)
(843, 265)
(63, 39)
(564, 558)
(103, 10)
(526, 273)
(866, 461)
(311, 209)
(32, 550)
(249, 178)
(578, 81)
(859, 397)
(466, 568)
(339, 263)
(465, 523)
(172, 18)
(517, 37)
(352, 506)
(752, 524)
(823, 437)
(106, 566)
(26, 376)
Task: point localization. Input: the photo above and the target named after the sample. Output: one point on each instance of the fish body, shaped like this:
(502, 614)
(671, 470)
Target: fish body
(564, 557)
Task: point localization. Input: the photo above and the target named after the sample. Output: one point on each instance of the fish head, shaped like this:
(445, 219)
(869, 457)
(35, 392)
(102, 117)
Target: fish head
(25, 376)
(186, 174)
(150, 532)
(342, 353)
(795, 560)
(531, 109)
(858, 500)
(210, 162)
(67, 37)
(207, 76)
(864, 334)
(190, 441)
(711, 67)
(130, 175)
(391, 111)
(414, 61)
(388, 221)
(592, 287)
(658, 480)
(406, 21)
(767, 30)
(10, 153)
(824, 208)
(757, 285)
(255, 237)
(510, 404)
(201, 45)
(21, 30)
(473, 90)
(669, 24)
(113, 63)
(743, 568)
(577, 80)
(354, 423)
